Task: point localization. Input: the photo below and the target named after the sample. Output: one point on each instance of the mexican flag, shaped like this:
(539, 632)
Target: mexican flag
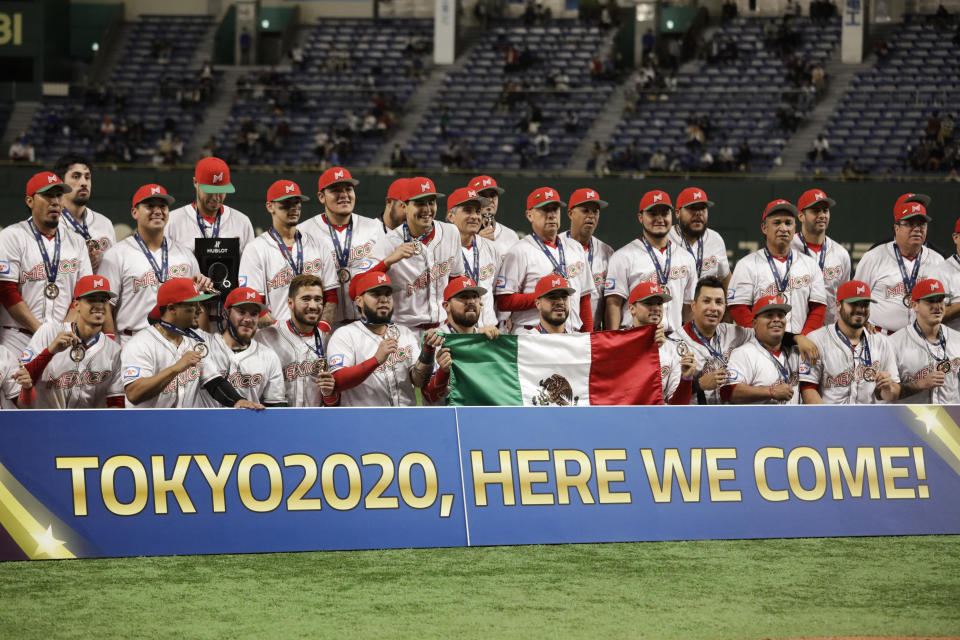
(604, 368)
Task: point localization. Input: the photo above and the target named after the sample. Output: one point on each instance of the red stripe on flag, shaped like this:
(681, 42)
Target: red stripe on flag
(625, 367)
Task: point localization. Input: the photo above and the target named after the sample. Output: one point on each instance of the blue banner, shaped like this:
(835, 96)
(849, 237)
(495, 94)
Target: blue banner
(130, 483)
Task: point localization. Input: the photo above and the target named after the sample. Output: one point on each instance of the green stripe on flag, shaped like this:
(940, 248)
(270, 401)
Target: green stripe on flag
(484, 371)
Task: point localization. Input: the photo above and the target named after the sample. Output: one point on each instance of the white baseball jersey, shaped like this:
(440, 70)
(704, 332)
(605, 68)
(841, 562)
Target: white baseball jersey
(839, 371)
(715, 261)
(598, 255)
(751, 363)
(390, 384)
(364, 236)
(948, 273)
(422, 278)
(264, 268)
(631, 265)
(752, 279)
(726, 338)
(504, 238)
(669, 369)
(836, 269)
(917, 358)
(99, 226)
(149, 352)
(183, 228)
(254, 372)
(481, 263)
(524, 265)
(66, 384)
(21, 262)
(879, 269)
(135, 282)
(9, 387)
(296, 354)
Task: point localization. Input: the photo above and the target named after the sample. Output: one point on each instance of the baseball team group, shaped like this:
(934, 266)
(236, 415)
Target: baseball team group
(342, 309)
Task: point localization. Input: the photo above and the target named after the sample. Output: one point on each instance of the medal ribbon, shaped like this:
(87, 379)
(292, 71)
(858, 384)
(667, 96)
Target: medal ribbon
(561, 267)
(215, 230)
(806, 249)
(698, 257)
(784, 372)
(343, 255)
(86, 343)
(473, 274)
(297, 265)
(781, 283)
(50, 266)
(79, 227)
(406, 233)
(911, 281)
(186, 333)
(941, 341)
(161, 273)
(663, 273)
(865, 358)
(702, 339)
(589, 248)
(317, 347)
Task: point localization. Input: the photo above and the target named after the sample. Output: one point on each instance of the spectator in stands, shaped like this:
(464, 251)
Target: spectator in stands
(744, 157)
(571, 121)
(933, 126)
(658, 161)
(209, 148)
(706, 161)
(821, 149)
(695, 135)
(725, 158)
(541, 143)
(398, 159)
(945, 135)
(21, 150)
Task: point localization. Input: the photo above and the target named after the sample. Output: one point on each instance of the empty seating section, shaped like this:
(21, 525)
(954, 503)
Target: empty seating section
(886, 108)
(740, 97)
(472, 93)
(347, 62)
(137, 77)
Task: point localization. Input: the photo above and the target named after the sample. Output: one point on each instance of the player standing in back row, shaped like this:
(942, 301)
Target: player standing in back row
(95, 228)
(704, 245)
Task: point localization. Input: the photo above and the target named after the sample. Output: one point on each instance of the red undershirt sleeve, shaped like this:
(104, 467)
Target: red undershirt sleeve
(437, 387)
(26, 397)
(515, 301)
(742, 315)
(586, 314)
(815, 317)
(804, 386)
(330, 297)
(683, 393)
(9, 294)
(36, 366)
(115, 402)
(727, 392)
(349, 377)
(380, 266)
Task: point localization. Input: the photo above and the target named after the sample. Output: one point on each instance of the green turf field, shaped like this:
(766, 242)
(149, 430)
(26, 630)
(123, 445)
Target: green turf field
(732, 589)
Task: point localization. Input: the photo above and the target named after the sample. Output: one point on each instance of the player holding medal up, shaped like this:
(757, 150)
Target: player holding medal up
(927, 351)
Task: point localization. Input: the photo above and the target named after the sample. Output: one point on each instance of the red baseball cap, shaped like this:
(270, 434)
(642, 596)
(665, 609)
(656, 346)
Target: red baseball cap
(416, 188)
(553, 282)
(150, 191)
(177, 290)
(44, 181)
(692, 195)
(284, 190)
(853, 291)
(397, 189)
(154, 316)
(779, 205)
(646, 290)
(654, 198)
(543, 196)
(770, 303)
(581, 196)
(363, 282)
(812, 197)
(482, 183)
(244, 295)
(213, 176)
(464, 195)
(956, 226)
(462, 284)
(914, 197)
(928, 288)
(910, 210)
(92, 284)
(335, 175)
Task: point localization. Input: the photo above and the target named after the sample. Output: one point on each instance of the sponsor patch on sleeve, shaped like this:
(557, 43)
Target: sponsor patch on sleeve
(26, 356)
(733, 375)
(363, 265)
(732, 292)
(609, 284)
(242, 281)
(4, 267)
(804, 368)
(336, 360)
(131, 373)
(501, 282)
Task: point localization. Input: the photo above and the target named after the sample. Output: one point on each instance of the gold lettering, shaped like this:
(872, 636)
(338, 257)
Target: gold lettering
(891, 473)
(423, 461)
(578, 481)
(528, 478)
(78, 479)
(162, 486)
(760, 473)
(840, 472)
(217, 480)
(141, 487)
(606, 476)
(375, 498)
(355, 487)
(296, 501)
(672, 465)
(715, 475)
(275, 495)
(793, 474)
(503, 477)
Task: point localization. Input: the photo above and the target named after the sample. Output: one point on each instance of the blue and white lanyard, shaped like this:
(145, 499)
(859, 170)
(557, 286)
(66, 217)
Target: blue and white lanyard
(52, 267)
(663, 273)
(558, 268)
(186, 333)
(589, 248)
(80, 227)
(781, 283)
(407, 237)
(343, 254)
(806, 249)
(784, 372)
(297, 265)
(698, 257)
(317, 347)
(864, 358)
(159, 271)
(474, 273)
(215, 229)
(941, 341)
(911, 281)
(706, 342)
(86, 343)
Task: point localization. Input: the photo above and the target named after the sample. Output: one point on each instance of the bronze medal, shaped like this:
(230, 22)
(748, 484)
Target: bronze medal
(51, 290)
(393, 331)
(202, 349)
(682, 348)
(869, 375)
(944, 366)
(343, 275)
(93, 245)
(906, 299)
(78, 353)
(318, 367)
(417, 247)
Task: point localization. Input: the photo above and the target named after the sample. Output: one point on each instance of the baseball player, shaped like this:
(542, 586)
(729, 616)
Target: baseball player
(207, 216)
(462, 300)
(395, 209)
(584, 212)
(541, 253)
(166, 364)
(16, 386)
(136, 266)
(705, 246)
(855, 367)
(421, 255)
(502, 237)
(282, 252)
(812, 240)
(73, 364)
(651, 258)
(352, 236)
(378, 363)
(552, 304)
(480, 258)
(927, 352)
(777, 270)
(94, 228)
(948, 272)
(892, 269)
(300, 343)
(764, 370)
(40, 263)
(253, 368)
(677, 362)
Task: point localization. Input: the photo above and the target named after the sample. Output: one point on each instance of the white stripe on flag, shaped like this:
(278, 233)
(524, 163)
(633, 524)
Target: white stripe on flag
(541, 357)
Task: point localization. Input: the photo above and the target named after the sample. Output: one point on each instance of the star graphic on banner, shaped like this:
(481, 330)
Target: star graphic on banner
(928, 417)
(47, 544)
